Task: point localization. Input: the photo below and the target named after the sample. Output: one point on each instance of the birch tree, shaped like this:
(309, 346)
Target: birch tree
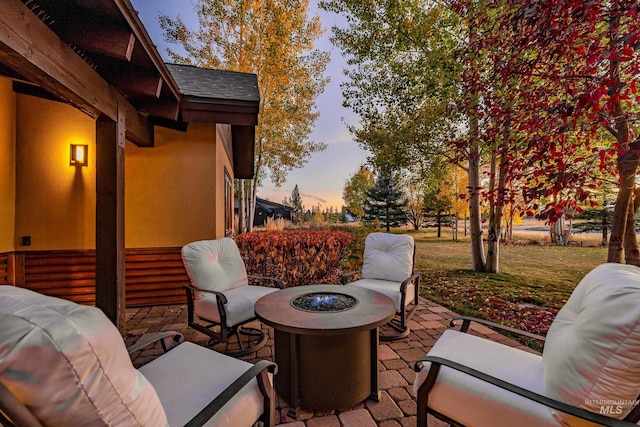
(275, 40)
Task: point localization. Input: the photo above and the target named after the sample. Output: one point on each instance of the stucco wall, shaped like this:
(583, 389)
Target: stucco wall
(222, 162)
(7, 165)
(170, 192)
(55, 202)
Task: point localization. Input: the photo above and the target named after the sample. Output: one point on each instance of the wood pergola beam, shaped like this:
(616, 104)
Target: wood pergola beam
(30, 46)
(102, 39)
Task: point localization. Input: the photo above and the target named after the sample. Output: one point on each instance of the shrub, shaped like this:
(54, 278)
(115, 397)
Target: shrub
(297, 257)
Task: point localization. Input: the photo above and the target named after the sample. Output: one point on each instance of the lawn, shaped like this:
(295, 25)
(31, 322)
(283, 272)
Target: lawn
(533, 283)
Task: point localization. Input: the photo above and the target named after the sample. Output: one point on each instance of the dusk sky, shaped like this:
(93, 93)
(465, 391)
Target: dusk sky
(322, 178)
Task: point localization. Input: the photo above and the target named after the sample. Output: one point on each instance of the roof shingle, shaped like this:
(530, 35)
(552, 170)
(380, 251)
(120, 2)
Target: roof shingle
(215, 84)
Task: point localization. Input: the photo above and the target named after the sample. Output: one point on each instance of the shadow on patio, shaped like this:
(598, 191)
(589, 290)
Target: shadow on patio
(397, 406)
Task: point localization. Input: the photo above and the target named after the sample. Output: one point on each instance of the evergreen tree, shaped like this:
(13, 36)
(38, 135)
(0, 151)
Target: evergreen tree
(295, 200)
(385, 203)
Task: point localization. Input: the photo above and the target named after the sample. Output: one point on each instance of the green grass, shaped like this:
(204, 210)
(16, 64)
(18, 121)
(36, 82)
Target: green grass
(533, 283)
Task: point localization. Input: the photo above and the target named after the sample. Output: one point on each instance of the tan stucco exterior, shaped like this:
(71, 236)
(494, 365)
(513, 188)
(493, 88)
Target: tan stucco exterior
(171, 190)
(7, 165)
(174, 192)
(55, 202)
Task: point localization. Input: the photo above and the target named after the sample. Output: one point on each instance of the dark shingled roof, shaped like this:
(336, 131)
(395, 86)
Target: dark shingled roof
(215, 84)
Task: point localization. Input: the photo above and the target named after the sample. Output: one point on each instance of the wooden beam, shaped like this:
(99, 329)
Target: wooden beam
(195, 110)
(139, 129)
(132, 18)
(29, 46)
(32, 49)
(243, 146)
(137, 82)
(94, 37)
(110, 249)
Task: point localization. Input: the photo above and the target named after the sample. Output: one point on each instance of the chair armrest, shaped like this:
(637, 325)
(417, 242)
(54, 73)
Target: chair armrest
(216, 404)
(414, 276)
(168, 339)
(218, 294)
(466, 322)
(275, 280)
(437, 362)
(343, 279)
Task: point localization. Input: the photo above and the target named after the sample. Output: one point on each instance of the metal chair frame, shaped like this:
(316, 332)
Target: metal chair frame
(436, 362)
(256, 338)
(400, 322)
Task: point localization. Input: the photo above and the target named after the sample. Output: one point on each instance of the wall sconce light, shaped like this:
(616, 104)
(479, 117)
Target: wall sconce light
(79, 155)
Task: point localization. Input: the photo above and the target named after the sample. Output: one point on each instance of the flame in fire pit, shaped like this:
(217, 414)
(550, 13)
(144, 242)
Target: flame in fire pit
(324, 302)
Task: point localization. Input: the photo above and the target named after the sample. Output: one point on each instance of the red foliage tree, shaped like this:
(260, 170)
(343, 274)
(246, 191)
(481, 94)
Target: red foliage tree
(553, 92)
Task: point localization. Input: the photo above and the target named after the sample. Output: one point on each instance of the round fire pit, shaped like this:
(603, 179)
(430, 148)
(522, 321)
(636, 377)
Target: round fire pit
(326, 343)
(326, 302)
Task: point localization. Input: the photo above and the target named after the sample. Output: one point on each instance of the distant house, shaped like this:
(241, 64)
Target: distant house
(267, 209)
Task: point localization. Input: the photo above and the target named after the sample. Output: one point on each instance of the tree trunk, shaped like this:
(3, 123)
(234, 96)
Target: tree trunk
(478, 261)
(631, 250)
(627, 165)
(605, 236)
(495, 222)
(493, 234)
(439, 220)
(242, 211)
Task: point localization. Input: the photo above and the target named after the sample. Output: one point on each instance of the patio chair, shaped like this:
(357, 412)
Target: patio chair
(588, 374)
(66, 364)
(388, 268)
(220, 295)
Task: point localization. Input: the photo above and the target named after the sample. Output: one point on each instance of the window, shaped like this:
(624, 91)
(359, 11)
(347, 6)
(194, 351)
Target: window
(228, 204)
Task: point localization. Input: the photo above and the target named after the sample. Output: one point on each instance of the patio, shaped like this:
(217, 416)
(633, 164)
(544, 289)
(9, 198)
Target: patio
(397, 406)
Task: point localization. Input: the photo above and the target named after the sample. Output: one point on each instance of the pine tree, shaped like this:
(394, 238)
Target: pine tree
(295, 200)
(385, 203)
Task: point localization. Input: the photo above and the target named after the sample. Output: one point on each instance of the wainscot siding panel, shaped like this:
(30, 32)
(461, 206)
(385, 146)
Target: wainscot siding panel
(154, 276)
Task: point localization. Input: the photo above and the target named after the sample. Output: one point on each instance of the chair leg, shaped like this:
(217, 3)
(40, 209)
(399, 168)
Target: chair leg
(399, 323)
(396, 324)
(242, 341)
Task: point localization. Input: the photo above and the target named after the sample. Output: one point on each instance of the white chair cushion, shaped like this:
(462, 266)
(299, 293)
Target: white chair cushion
(239, 307)
(390, 289)
(388, 257)
(474, 402)
(592, 352)
(215, 264)
(188, 377)
(68, 364)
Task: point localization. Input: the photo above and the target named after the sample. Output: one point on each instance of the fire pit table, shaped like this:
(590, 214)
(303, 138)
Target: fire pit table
(326, 343)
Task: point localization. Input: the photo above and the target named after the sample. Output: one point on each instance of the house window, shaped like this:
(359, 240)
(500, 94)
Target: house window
(228, 204)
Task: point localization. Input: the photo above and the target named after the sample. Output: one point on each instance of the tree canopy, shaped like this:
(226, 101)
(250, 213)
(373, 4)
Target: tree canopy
(275, 40)
(385, 203)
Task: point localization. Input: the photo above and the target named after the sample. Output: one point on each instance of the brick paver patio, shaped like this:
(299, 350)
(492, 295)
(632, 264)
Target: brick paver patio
(397, 405)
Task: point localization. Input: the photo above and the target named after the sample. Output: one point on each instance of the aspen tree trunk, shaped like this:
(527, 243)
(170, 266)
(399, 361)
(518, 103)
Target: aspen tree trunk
(627, 167)
(477, 249)
(242, 211)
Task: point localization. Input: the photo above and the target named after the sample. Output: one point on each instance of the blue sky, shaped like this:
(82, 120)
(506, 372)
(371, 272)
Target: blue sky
(322, 178)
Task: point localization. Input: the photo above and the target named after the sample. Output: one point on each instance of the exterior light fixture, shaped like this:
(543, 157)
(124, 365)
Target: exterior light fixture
(79, 155)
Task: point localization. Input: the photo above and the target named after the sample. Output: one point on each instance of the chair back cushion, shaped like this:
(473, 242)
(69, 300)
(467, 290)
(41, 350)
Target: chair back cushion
(592, 352)
(68, 364)
(388, 257)
(215, 265)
